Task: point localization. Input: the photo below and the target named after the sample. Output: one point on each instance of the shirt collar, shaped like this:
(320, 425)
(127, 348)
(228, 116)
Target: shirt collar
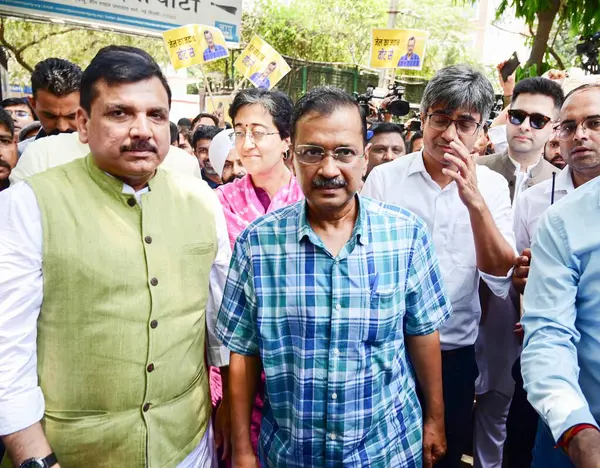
(360, 231)
(417, 164)
(529, 170)
(563, 182)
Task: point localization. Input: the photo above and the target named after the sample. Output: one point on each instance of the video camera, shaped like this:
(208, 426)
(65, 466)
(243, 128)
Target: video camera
(389, 100)
(588, 52)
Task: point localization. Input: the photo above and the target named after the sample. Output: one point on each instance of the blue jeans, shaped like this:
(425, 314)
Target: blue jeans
(545, 455)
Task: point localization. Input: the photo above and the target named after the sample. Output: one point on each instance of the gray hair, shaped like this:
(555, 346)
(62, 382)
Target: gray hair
(276, 103)
(459, 87)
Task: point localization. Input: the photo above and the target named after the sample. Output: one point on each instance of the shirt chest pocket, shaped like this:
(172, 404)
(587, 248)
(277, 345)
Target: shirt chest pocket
(463, 245)
(381, 316)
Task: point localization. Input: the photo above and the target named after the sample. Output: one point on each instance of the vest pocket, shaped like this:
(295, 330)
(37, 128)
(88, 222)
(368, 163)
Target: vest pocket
(199, 248)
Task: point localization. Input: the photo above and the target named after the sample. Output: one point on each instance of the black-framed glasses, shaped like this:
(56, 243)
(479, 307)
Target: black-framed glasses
(566, 131)
(312, 154)
(255, 135)
(536, 121)
(441, 122)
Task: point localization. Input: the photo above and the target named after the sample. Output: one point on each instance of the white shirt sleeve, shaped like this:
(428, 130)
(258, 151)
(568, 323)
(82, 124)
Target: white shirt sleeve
(522, 237)
(21, 293)
(501, 210)
(32, 161)
(218, 355)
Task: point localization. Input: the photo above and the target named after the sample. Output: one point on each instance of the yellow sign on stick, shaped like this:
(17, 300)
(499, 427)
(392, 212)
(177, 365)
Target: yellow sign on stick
(261, 64)
(398, 48)
(194, 44)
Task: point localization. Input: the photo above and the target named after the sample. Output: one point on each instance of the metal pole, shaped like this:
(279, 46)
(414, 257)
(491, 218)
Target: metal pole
(392, 14)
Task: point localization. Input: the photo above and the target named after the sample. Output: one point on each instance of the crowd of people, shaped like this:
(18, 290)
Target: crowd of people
(301, 287)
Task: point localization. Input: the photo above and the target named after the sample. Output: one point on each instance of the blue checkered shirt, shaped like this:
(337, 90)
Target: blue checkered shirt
(218, 53)
(330, 334)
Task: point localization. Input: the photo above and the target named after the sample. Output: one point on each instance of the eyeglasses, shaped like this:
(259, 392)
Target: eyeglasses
(441, 123)
(18, 113)
(536, 121)
(566, 131)
(310, 154)
(254, 135)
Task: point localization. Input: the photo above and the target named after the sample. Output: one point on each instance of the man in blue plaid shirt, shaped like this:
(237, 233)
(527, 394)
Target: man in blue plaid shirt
(331, 296)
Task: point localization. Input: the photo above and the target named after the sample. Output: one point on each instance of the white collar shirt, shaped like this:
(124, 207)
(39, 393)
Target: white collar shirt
(407, 183)
(535, 201)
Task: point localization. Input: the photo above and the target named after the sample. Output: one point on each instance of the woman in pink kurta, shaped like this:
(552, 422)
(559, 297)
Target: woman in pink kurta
(262, 125)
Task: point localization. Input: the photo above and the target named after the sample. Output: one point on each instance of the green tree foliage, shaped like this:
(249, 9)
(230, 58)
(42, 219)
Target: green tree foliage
(29, 42)
(545, 16)
(340, 30)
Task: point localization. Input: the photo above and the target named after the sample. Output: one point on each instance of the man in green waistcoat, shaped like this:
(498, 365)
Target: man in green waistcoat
(111, 272)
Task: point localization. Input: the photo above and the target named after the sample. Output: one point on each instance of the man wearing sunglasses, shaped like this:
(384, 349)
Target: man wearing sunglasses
(467, 210)
(533, 111)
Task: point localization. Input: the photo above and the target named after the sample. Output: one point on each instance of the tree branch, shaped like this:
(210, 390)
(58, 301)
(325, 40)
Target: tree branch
(16, 54)
(43, 38)
(554, 54)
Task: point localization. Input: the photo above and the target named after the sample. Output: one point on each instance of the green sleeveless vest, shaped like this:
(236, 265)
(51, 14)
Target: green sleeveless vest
(121, 334)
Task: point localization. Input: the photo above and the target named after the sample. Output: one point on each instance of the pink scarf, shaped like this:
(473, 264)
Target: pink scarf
(242, 206)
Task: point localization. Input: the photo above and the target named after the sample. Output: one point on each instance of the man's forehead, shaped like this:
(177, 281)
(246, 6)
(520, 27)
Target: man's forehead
(379, 138)
(586, 101)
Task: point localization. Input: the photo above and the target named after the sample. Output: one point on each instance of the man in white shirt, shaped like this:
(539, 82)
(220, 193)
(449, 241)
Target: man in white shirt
(468, 213)
(533, 109)
(111, 271)
(581, 104)
(60, 149)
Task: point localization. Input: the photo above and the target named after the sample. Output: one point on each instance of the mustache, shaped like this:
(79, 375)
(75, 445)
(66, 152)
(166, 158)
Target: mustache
(139, 145)
(5, 164)
(336, 182)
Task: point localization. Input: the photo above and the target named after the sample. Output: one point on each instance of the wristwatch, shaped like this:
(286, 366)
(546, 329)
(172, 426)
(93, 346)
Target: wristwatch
(46, 462)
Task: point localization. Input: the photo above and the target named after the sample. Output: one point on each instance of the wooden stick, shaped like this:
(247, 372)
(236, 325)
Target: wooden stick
(238, 86)
(207, 86)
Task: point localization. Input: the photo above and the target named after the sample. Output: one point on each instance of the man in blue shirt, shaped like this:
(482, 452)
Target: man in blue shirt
(561, 356)
(213, 51)
(331, 296)
(410, 59)
(261, 80)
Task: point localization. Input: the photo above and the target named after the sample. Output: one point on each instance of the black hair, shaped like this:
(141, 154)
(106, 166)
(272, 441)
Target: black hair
(119, 65)
(323, 101)
(57, 76)
(208, 116)
(387, 127)
(7, 121)
(184, 122)
(174, 132)
(539, 85)
(276, 103)
(206, 132)
(415, 136)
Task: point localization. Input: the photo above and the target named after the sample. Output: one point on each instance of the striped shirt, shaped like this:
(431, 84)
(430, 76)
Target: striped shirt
(330, 334)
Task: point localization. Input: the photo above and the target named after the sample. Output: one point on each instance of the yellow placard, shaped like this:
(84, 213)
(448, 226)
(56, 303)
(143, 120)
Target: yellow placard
(261, 64)
(194, 44)
(398, 48)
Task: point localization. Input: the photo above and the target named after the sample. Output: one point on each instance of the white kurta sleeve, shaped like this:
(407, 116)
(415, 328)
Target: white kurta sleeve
(21, 293)
(218, 355)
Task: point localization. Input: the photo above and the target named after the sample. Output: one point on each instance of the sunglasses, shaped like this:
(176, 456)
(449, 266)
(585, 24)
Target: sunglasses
(536, 121)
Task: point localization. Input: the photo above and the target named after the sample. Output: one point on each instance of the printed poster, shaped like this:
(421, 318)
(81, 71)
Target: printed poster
(398, 48)
(194, 44)
(261, 64)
